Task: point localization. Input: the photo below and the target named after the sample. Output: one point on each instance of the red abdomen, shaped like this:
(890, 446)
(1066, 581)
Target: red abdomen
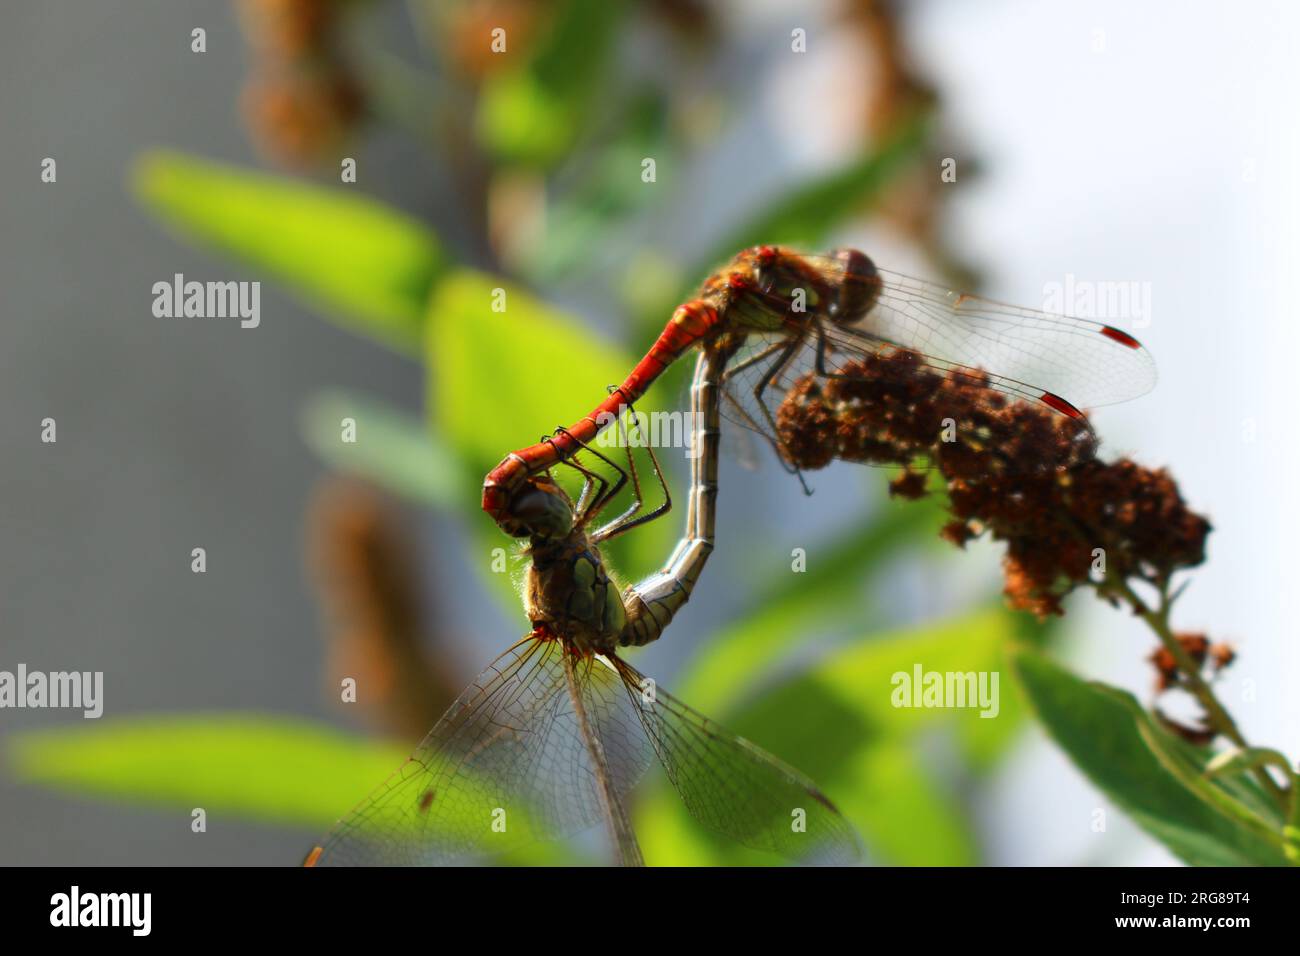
(691, 323)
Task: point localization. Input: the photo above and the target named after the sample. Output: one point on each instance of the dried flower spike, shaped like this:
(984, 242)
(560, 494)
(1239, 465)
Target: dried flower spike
(1019, 472)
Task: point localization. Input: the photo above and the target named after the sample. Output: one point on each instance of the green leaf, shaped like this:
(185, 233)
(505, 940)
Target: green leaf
(260, 767)
(1251, 758)
(392, 449)
(837, 722)
(789, 604)
(533, 114)
(255, 767)
(366, 264)
(849, 696)
(607, 191)
(1183, 763)
(1103, 730)
(984, 742)
(906, 815)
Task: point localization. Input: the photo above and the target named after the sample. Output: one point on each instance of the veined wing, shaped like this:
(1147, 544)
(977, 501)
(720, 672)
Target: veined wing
(505, 766)
(989, 357)
(736, 788)
(1085, 362)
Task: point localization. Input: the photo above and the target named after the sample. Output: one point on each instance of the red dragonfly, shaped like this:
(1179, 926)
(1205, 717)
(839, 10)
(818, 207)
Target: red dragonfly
(555, 733)
(794, 314)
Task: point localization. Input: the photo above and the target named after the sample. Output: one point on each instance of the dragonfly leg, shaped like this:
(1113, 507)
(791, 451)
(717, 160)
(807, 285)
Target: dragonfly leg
(786, 354)
(740, 367)
(625, 436)
(590, 480)
(606, 493)
(626, 522)
(823, 347)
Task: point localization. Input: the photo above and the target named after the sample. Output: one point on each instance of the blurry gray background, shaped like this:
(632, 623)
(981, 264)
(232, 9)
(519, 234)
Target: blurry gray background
(171, 434)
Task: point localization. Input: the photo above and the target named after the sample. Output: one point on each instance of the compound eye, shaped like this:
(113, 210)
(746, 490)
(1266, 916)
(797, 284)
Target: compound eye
(763, 278)
(540, 512)
(859, 286)
(513, 528)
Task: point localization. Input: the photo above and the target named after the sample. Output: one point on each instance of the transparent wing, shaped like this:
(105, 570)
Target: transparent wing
(505, 766)
(994, 355)
(736, 788)
(1061, 362)
(1085, 362)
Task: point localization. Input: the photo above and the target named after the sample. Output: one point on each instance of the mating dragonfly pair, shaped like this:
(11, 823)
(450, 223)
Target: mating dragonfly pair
(553, 736)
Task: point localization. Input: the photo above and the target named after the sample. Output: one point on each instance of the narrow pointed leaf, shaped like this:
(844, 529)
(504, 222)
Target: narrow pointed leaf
(367, 265)
(1098, 727)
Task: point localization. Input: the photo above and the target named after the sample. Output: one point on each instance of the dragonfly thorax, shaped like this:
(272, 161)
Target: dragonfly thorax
(769, 289)
(568, 591)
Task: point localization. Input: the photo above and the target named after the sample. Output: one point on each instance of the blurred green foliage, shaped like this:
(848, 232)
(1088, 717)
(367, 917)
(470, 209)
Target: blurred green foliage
(1158, 779)
(534, 113)
(360, 261)
(392, 449)
(757, 642)
(838, 717)
(273, 769)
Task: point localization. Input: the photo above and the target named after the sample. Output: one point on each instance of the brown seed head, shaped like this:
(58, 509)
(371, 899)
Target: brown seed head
(1021, 472)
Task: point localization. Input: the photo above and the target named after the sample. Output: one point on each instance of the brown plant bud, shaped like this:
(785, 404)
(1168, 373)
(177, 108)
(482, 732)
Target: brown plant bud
(1167, 672)
(909, 485)
(1221, 656)
(299, 117)
(1199, 736)
(288, 28)
(1021, 472)
(368, 580)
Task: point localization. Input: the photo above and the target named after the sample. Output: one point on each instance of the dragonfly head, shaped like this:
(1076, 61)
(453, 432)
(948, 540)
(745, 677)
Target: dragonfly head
(539, 509)
(857, 286)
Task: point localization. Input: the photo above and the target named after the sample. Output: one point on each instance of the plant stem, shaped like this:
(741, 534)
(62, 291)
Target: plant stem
(1158, 620)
